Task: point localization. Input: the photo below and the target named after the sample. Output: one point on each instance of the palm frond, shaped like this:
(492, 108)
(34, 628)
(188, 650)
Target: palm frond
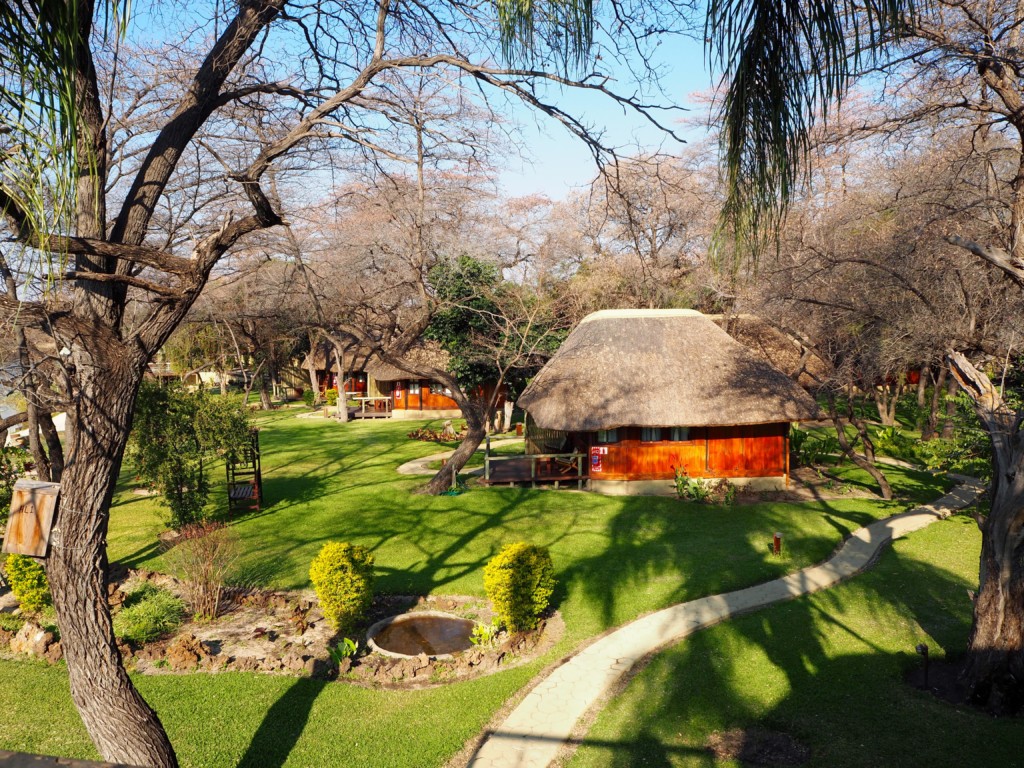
(786, 64)
(39, 106)
(565, 25)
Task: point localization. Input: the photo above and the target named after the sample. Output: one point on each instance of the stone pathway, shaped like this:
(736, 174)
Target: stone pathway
(421, 466)
(535, 731)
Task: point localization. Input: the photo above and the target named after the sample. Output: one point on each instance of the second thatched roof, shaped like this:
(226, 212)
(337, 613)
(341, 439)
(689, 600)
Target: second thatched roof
(659, 368)
(428, 355)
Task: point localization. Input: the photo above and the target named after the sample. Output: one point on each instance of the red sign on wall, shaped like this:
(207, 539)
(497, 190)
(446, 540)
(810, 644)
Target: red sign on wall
(595, 458)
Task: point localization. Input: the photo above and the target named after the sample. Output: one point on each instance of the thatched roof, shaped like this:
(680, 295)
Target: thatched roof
(777, 348)
(355, 359)
(427, 354)
(659, 368)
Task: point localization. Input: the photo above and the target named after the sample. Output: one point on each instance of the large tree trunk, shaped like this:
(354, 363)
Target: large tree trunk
(120, 723)
(887, 397)
(993, 672)
(265, 402)
(339, 357)
(475, 414)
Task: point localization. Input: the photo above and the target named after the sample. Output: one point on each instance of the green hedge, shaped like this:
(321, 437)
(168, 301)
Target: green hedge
(519, 581)
(342, 575)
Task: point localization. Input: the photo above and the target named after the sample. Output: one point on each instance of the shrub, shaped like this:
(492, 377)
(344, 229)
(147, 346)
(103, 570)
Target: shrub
(28, 583)
(308, 397)
(11, 623)
(332, 397)
(202, 559)
(12, 466)
(342, 575)
(174, 434)
(704, 490)
(148, 613)
(519, 581)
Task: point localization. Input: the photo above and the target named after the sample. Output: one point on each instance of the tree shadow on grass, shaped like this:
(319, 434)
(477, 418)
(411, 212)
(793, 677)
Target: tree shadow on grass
(827, 670)
(282, 726)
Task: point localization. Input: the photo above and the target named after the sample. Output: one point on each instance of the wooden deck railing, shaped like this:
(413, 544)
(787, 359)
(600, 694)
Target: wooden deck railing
(559, 466)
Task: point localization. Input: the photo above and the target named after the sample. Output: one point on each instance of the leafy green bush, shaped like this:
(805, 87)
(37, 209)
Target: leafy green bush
(28, 583)
(12, 466)
(11, 623)
(809, 449)
(342, 575)
(704, 490)
(519, 581)
(174, 433)
(308, 397)
(332, 397)
(148, 613)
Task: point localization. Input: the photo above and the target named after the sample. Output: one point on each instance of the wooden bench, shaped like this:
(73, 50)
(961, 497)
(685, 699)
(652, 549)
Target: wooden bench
(243, 495)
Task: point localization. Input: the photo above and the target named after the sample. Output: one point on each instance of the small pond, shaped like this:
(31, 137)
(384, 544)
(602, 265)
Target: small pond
(431, 632)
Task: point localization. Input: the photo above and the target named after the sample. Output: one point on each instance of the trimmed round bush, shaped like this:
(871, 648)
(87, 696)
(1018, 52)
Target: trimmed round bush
(519, 581)
(28, 583)
(342, 575)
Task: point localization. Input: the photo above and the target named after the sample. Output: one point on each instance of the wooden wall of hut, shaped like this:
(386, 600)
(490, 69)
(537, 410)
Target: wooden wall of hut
(424, 400)
(742, 451)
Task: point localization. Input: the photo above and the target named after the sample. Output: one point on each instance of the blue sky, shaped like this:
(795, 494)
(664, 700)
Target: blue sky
(561, 162)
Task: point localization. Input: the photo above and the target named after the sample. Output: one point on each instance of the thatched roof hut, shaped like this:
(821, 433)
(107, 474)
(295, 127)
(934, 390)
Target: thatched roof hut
(427, 354)
(659, 368)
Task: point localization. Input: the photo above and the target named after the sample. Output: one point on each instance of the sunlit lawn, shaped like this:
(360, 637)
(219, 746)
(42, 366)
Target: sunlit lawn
(826, 669)
(616, 559)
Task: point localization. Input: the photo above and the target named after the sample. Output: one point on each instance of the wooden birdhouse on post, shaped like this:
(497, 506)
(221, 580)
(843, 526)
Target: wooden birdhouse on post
(33, 511)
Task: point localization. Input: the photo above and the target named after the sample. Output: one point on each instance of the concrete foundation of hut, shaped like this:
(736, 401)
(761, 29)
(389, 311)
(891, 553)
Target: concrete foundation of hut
(450, 413)
(668, 488)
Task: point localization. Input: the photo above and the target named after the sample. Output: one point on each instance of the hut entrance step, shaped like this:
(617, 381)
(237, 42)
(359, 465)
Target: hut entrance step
(245, 477)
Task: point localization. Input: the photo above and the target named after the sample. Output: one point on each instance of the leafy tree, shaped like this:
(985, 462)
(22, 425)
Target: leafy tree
(12, 466)
(174, 434)
(464, 289)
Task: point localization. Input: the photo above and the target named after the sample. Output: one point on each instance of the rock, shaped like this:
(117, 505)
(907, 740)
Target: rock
(54, 653)
(32, 639)
(185, 652)
(319, 669)
(345, 666)
(149, 653)
(272, 664)
(244, 663)
(294, 661)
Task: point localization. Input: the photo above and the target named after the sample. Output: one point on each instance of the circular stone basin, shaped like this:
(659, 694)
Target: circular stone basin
(434, 633)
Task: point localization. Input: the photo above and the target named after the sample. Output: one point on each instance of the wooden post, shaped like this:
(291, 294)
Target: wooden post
(487, 460)
(787, 458)
(579, 471)
(533, 471)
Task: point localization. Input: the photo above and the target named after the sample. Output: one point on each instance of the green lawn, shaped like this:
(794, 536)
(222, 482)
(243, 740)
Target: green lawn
(827, 669)
(615, 559)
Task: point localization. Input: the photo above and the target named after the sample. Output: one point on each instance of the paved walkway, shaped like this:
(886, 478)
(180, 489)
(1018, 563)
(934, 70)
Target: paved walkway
(421, 466)
(535, 731)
